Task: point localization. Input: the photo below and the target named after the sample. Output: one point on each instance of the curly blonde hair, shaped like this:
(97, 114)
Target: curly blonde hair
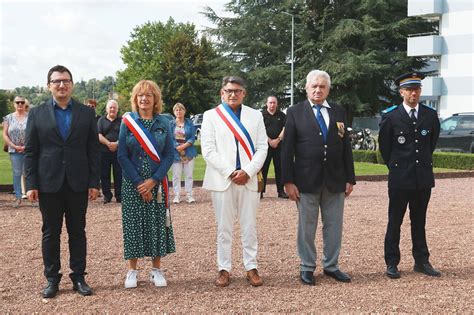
(146, 86)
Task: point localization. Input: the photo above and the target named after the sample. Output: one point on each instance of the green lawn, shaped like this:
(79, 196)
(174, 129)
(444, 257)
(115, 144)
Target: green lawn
(200, 166)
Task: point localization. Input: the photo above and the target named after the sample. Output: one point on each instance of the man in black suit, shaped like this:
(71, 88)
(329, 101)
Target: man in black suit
(62, 173)
(407, 139)
(318, 172)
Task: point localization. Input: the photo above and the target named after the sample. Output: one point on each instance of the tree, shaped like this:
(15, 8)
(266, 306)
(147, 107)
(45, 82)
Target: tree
(5, 103)
(171, 55)
(187, 75)
(360, 43)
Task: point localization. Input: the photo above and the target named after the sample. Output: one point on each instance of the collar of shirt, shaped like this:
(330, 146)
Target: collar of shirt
(69, 104)
(324, 111)
(324, 104)
(408, 109)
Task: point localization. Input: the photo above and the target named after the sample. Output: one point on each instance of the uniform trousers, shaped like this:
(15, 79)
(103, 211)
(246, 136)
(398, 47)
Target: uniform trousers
(71, 205)
(178, 168)
(417, 200)
(332, 209)
(237, 201)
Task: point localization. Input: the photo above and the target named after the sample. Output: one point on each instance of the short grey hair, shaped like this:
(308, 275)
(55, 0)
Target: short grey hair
(112, 101)
(319, 74)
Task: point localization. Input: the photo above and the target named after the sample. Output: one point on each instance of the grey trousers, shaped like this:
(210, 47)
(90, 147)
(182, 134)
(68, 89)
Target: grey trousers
(332, 208)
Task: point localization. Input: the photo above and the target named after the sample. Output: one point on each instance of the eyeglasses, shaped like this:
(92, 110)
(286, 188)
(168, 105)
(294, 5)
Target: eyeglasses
(236, 92)
(58, 82)
(20, 102)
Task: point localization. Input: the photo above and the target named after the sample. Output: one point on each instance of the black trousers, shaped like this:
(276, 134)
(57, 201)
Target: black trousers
(273, 153)
(417, 200)
(108, 161)
(54, 207)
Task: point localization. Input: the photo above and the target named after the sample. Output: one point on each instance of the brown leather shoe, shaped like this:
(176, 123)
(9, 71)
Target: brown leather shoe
(253, 277)
(223, 279)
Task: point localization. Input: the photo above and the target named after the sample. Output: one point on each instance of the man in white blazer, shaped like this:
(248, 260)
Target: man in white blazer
(234, 146)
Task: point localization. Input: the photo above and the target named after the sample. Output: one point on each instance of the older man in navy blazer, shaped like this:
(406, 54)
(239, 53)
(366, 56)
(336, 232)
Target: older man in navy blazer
(62, 172)
(318, 173)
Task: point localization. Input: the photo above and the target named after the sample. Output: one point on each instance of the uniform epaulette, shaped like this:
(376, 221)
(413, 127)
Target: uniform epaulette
(388, 110)
(428, 107)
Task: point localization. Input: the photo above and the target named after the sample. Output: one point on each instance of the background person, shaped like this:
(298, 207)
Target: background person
(184, 134)
(14, 132)
(93, 104)
(318, 173)
(144, 200)
(407, 138)
(62, 172)
(274, 120)
(109, 128)
(231, 174)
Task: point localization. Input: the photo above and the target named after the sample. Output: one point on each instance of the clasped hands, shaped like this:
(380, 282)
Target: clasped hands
(144, 189)
(239, 177)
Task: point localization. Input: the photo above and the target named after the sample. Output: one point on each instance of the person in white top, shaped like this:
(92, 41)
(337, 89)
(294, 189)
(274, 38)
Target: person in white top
(234, 146)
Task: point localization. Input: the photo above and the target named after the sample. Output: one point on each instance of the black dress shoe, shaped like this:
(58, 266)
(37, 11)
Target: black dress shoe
(107, 200)
(50, 290)
(283, 195)
(81, 287)
(118, 199)
(307, 277)
(392, 272)
(338, 275)
(427, 269)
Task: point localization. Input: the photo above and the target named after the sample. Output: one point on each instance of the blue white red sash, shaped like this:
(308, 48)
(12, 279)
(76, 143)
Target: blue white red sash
(149, 145)
(143, 136)
(238, 130)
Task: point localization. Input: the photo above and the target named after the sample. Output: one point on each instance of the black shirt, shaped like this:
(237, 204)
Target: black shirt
(274, 123)
(109, 129)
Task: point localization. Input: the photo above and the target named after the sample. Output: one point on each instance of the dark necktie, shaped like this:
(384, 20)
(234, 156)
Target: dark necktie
(412, 115)
(321, 122)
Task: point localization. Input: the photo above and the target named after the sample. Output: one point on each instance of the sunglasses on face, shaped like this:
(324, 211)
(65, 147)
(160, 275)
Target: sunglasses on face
(20, 102)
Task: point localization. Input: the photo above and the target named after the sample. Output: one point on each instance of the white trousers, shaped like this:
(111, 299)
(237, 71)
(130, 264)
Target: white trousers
(178, 168)
(236, 201)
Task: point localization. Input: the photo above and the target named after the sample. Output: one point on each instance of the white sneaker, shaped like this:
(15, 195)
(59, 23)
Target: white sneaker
(131, 280)
(157, 277)
(176, 199)
(190, 199)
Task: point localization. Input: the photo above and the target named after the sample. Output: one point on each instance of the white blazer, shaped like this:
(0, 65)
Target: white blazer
(220, 151)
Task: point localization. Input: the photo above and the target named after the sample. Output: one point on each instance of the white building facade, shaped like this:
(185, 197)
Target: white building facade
(452, 91)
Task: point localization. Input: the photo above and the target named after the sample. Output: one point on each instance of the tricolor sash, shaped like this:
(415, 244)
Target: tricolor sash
(149, 145)
(237, 128)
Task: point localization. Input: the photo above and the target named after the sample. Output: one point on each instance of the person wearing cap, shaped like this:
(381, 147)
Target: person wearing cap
(407, 139)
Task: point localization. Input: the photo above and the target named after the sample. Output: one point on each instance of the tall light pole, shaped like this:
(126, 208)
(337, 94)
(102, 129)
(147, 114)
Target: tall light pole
(292, 49)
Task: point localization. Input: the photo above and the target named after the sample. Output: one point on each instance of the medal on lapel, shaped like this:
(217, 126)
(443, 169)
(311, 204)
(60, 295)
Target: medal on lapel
(340, 129)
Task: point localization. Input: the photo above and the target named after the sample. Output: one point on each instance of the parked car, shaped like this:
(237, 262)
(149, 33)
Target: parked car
(197, 121)
(457, 133)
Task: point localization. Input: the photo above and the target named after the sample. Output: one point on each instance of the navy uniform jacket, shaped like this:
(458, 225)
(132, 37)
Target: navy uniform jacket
(306, 161)
(407, 148)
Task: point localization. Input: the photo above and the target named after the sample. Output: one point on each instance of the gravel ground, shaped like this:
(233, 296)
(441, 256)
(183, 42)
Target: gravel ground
(191, 271)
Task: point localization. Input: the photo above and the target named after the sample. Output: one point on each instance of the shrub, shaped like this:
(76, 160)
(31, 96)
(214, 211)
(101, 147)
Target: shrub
(460, 161)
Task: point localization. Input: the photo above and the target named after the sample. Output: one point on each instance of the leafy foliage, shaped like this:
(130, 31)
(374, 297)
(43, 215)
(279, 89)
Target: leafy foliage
(360, 43)
(171, 55)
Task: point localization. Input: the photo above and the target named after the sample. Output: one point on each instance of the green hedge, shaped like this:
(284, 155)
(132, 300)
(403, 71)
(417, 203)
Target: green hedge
(460, 161)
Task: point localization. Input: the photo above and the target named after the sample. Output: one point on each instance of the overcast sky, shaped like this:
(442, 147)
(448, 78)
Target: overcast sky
(83, 35)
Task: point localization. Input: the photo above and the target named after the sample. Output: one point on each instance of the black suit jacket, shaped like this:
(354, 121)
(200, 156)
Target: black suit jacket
(306, 161)
(407, 148)
(49, 159)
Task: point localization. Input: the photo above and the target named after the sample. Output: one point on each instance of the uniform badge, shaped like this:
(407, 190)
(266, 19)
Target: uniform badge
(340, 129)
(401, 139)
(424, 132)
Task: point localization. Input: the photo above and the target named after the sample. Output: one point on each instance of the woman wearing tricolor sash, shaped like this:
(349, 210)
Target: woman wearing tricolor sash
(145, 154)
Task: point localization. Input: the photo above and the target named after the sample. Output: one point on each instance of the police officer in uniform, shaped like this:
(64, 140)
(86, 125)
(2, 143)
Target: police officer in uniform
(407, 139)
